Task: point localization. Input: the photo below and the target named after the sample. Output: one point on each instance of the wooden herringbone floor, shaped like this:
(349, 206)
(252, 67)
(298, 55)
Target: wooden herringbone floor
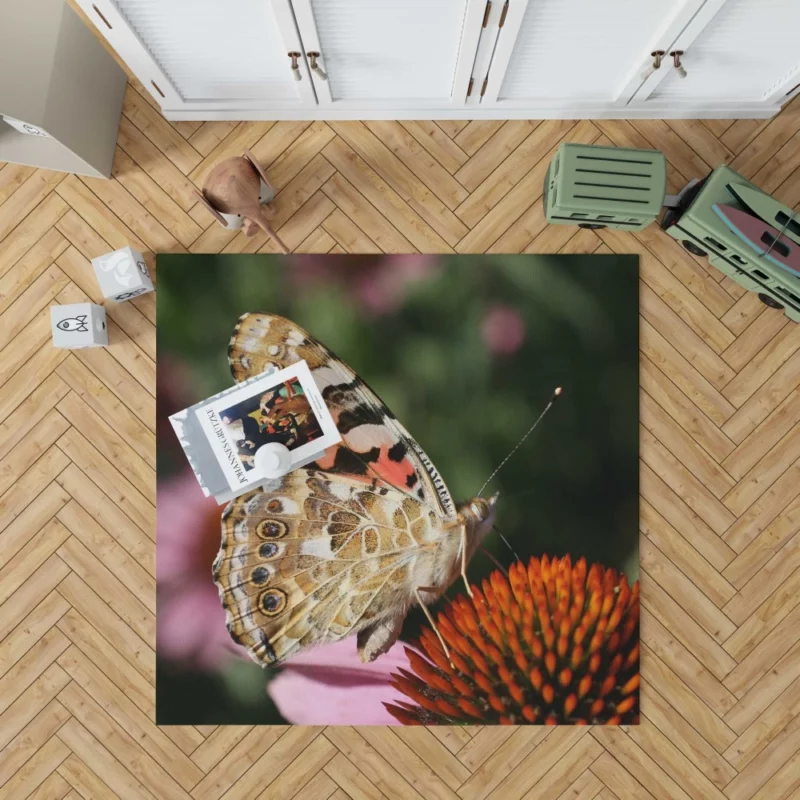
(720, 471)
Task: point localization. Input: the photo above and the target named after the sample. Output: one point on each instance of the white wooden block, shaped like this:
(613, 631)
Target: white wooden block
(122, 274)
(78, 325)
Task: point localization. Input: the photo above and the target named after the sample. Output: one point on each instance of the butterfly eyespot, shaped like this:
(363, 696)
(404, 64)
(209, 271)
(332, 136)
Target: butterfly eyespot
(274, 506)
(271, 529)
(260, 574)
(272, 602)
(268, 550)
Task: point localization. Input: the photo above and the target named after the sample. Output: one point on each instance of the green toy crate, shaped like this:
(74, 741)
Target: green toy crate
(605, 187)
(695, 224)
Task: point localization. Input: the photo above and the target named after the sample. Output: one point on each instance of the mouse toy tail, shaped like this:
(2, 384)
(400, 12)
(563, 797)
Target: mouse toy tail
(263, 223)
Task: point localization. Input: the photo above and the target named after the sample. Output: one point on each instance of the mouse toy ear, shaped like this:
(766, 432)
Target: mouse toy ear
(257, 167)
(214, 213)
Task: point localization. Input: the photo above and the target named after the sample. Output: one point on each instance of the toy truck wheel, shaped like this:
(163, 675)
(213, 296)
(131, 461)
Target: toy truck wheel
(769, 301)
(592, 226)
(693, 248)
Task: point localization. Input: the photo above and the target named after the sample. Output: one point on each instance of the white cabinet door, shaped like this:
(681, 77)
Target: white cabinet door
(206, 54)
(573, 54)
(390, 54)
(735, 51)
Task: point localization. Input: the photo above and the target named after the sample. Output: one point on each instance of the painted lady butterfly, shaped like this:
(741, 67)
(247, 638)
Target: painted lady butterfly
(350, 543)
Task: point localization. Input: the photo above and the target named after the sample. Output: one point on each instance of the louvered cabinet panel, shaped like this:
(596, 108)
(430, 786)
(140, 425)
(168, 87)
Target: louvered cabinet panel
(749, 50)
(573, 50)
(205, 52)
(390, 52)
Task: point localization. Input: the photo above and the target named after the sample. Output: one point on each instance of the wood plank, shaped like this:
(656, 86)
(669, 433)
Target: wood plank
(160, 132)
(493, 152)
(395, 172)
(30, 267)
(384, 198)
(155, 164)
(437, 143)
(149, 194)
(685, 413)
(25, 199)
(354, 205)
(535, 149)
(429, 171)
(684, 448)
(138, 653)
(681, 554)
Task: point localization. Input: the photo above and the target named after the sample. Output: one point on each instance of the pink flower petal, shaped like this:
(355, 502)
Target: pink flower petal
(185, 516)
(191, 627)
(503, 330)
(328, 685)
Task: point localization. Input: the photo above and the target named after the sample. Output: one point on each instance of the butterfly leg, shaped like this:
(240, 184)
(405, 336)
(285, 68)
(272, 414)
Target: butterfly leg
(377, 639)
(430, 619)
(464, 560)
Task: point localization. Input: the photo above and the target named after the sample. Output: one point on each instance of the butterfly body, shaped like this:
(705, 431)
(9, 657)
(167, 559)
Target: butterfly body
(348, 544)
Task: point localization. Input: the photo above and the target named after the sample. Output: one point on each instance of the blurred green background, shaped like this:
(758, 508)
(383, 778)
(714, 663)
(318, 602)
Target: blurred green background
(466, 350)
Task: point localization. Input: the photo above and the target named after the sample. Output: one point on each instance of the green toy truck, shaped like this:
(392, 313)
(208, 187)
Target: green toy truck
(694, 223)
(745, 234)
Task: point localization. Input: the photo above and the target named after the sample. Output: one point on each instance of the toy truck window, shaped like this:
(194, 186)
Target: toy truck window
(783, 221)
(779, 247)
(789, 295)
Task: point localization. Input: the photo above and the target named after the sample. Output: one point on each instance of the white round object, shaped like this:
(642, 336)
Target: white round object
(273, 460)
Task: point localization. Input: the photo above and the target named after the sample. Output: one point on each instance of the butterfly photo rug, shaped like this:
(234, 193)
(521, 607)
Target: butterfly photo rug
(356, 553)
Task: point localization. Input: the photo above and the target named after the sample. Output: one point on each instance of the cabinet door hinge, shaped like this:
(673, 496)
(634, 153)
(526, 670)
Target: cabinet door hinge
(483, 88)
(469, 88)
(486, 13)
(503, 15)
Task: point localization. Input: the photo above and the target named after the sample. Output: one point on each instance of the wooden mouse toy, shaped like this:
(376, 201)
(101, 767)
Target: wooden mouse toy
(238, 194)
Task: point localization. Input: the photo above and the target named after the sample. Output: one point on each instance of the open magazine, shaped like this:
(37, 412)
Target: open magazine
(222, 434)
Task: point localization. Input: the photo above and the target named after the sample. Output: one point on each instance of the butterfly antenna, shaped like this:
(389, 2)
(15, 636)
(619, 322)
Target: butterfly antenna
(507, 543)
(496, 562)
(556, 393)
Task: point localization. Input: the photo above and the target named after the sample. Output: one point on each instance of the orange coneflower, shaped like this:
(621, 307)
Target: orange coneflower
(550, 644)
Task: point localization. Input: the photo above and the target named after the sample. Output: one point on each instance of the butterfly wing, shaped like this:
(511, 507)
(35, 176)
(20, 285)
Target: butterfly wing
(314, 557)
(374, 444)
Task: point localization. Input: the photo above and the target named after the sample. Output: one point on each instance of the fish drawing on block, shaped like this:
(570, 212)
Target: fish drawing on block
(763, 238)
(74, 324)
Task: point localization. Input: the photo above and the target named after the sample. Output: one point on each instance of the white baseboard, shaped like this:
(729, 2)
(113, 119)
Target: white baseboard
(475, 112)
